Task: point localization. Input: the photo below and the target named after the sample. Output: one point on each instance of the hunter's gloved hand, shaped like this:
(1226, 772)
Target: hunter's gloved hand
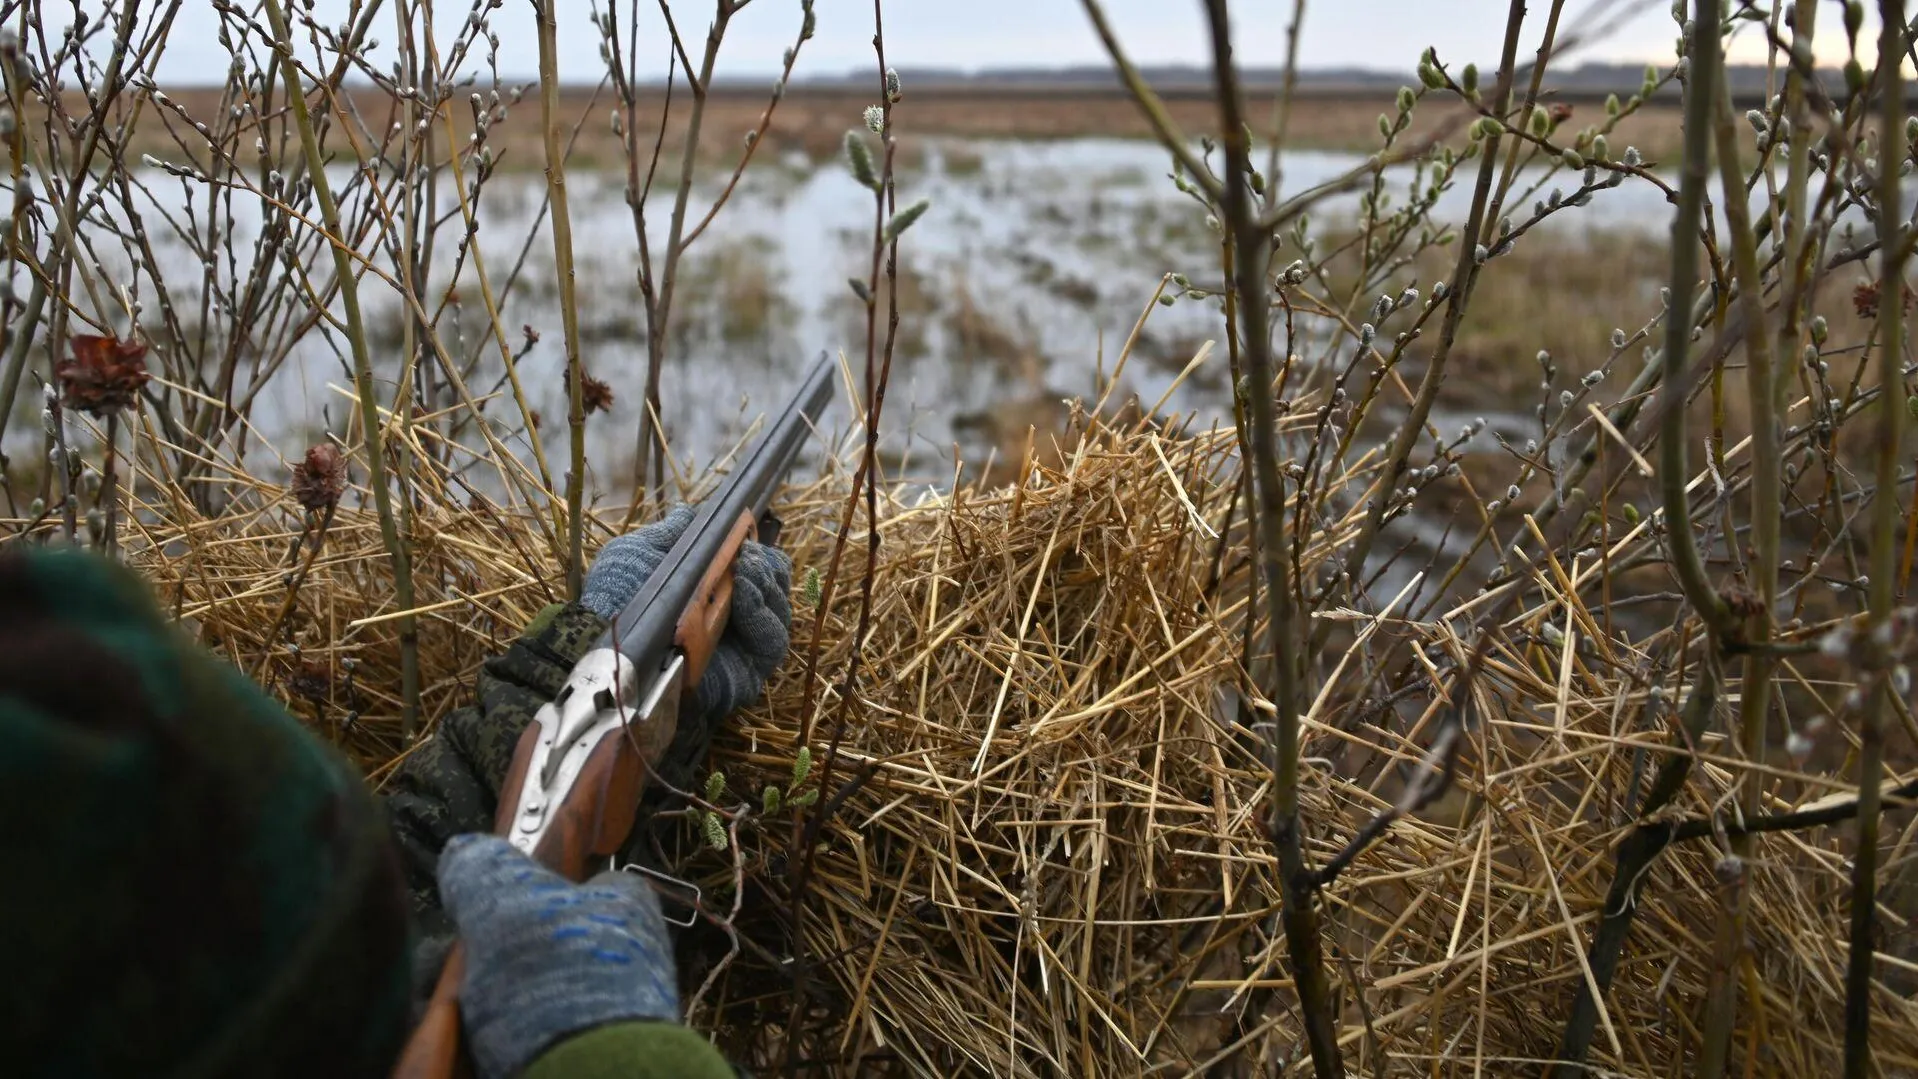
(546, 958)
(758, 631)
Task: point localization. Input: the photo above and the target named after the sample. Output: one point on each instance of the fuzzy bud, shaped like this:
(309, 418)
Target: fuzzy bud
(859, 155)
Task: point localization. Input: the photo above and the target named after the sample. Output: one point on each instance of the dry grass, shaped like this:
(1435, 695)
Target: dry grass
(1056, 861)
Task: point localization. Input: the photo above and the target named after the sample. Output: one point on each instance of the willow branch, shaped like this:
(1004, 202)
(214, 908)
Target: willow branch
(396, 549)
(568, 303)
(1673, 470)
(1884, 523)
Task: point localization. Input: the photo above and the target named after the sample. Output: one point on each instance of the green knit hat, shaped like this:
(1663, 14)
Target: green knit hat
(193, 884)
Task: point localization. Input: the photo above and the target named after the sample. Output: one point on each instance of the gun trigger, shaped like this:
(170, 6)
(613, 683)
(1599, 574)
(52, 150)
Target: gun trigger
(770, 527)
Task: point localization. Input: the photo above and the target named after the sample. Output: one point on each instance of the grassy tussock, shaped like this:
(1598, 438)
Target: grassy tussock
(1054, 858)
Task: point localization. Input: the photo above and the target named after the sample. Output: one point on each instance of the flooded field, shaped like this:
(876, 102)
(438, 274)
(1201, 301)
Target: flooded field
(1018, 287)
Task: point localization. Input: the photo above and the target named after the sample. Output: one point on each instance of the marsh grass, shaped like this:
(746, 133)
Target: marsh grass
(1108, 858)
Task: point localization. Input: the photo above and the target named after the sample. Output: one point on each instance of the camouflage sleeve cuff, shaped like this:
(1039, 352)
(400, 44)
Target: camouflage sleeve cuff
(545, 652)
(638, 1050)
(450, 785)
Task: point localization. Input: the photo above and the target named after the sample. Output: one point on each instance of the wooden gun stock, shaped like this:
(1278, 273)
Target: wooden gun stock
(597, 816)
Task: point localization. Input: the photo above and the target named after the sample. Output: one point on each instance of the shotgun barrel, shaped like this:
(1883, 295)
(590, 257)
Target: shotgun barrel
(643, 633)
(631, 679)
(573, 790)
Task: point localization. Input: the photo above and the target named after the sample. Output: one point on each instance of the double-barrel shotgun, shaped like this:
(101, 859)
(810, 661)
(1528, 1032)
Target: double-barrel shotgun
(572, 794)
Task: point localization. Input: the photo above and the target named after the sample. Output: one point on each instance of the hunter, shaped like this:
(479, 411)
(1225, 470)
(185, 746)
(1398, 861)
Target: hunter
(201, 887)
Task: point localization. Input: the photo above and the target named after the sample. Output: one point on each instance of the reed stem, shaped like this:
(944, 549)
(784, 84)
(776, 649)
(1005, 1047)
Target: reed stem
(398, 548)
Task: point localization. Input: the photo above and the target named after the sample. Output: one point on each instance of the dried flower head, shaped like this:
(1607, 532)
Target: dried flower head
(309, 680)
(104, 375)
(1864, 299)
(597, 395)
(320, 478)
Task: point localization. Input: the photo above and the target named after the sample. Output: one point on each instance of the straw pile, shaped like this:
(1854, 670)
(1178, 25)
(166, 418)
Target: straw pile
(1056, 861)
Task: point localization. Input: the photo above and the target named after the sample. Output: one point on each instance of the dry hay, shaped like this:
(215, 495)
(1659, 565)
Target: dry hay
(1056, 861)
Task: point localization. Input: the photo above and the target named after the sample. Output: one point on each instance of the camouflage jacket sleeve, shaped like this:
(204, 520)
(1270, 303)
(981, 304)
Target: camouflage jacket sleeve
(632, 1050)
(451, 783)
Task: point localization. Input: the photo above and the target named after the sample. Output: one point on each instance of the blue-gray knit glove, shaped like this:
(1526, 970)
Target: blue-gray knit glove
(547, 958)
(758, 631)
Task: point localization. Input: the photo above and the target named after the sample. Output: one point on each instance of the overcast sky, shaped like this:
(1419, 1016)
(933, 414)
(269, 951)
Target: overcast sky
(973, 34)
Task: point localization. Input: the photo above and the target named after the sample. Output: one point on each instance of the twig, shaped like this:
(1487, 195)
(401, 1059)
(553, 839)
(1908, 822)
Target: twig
(312, 553)
(1537, 78)
(650, 439)
(1635, 857)
(1754, 704)
(1282, 108)
(396, 547)
(1155, 111)
(66, 216)
(1797, 821)
(1892, 154)
(758, 134)
(1252, 245)
(1464, 276)
(109, 499)
(1436, 774)
(568, 303)
(1673, 470)
(885, 243)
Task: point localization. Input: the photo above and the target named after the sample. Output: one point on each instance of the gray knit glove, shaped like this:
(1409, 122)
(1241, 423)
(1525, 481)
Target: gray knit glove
(546, 958)
(758, 630)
